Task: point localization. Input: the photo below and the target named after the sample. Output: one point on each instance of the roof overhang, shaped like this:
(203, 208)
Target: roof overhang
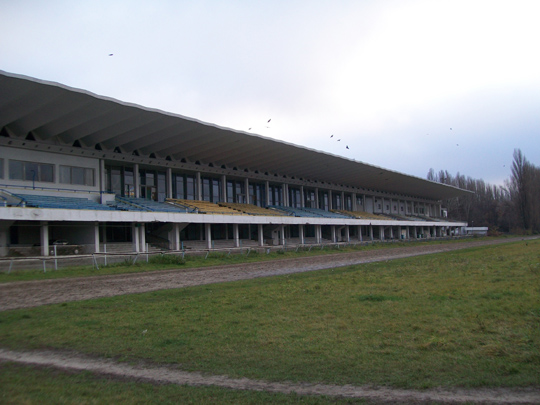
(59, 114)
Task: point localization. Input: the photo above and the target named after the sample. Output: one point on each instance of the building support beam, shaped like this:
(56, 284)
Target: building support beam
(261, 234)
(96, 237)
(44, 238)
(208, 235)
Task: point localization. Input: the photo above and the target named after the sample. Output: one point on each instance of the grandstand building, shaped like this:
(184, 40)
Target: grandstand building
(79, 169)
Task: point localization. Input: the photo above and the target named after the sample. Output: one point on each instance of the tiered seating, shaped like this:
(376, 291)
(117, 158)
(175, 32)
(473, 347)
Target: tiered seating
(363, 215)
(295, 212)
(203, 207)
(70, 203)
(142, 204)
(308, 212)
(325, 214)
(251, 209)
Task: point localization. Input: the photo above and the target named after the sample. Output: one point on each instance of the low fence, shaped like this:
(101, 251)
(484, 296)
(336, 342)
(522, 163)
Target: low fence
(103, 259)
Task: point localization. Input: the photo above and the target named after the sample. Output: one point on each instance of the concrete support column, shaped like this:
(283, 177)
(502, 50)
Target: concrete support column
(381, 232)
(333, 233)
(399, 232)
(316, 198)
(236, 235)
(169, 182)
(208, 235)
(44, 238)
(96, 237)
(136, 180)
(330, 205)
(318, 233)
(224, 188)
(135, 236)
(347, 234)
(102, 179)
(354, 204)
(302, 233)
(261, 234)
(282, 235)
(302, 203)
(142, 238)
(198, 186)
(267, 192)
(360, 238)
(371, 232)
(176, 236)
(246, 186)
(342, 201)
(415, 232)
(391, 232)
(407, 233)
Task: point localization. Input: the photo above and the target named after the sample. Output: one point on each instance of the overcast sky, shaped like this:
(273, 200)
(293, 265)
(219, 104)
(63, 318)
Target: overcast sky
(406, 85)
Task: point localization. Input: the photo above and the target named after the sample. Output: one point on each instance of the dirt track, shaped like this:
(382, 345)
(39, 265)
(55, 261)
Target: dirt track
(35, 293)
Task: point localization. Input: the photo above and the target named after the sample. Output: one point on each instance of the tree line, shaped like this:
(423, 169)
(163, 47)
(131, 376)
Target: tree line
(513, 207)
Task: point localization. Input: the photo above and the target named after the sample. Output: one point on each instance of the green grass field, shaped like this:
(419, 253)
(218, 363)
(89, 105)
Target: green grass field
(468, 318)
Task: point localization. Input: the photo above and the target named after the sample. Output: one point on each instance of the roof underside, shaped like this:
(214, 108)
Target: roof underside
(59, 114)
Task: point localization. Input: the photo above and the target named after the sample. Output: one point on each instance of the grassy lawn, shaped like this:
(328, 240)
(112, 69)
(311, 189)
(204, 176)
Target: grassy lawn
(26, 385)
(466, 318)
(161, 262)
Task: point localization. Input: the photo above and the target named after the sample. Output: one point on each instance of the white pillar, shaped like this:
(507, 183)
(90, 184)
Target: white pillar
(44, 236)
(135, 236)
(333, 233)
(282, 235)
(236, 235)
(224, 188)
(381, 231)
(330, 205)
(360, 233)
(176, 236)
(267, 192)
(318, 233)
(260, 230)
(136, 181)
(198, 187)
(142, 238)
(169, 182)
(208, 235)
(246, 186)
(302, 233)
(371, 232)
(102, 179)
(96, 237)
(347, 234)
(302, 202)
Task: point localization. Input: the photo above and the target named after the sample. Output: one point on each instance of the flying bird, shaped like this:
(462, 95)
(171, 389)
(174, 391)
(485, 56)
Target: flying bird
(450, 129)
(331, 136)
(111, 54)
(339, 140)
(347, 146)
(269, 120)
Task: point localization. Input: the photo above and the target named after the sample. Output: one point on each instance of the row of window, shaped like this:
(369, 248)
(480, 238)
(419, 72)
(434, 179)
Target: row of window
(44, 172)
(153, 185)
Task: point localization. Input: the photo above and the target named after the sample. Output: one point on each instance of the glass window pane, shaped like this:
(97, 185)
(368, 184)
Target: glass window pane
(31, 171)
(46, 173)
(89, 177)
(65, 174)
(77, 175)
(16, 170)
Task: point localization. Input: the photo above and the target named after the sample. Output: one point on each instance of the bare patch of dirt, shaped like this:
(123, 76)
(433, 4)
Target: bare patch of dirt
(169, 375)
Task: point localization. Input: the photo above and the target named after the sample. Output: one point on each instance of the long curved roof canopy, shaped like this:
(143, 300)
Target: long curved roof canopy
(56, 113)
